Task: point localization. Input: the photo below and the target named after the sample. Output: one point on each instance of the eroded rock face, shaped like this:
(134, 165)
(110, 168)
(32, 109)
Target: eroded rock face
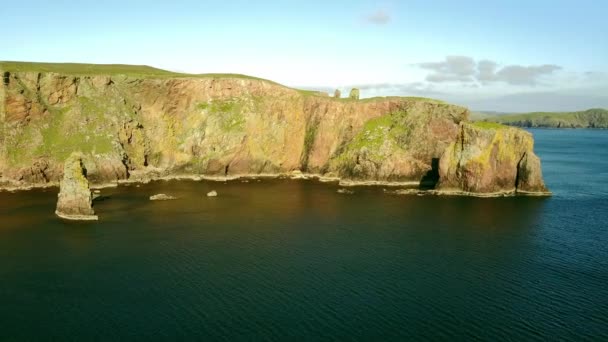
(75, 198)
(401, 146)
(490, 159)
(529, 175)
(144, 128)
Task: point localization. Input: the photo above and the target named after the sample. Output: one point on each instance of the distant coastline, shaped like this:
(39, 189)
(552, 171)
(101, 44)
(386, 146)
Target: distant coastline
(596, 118)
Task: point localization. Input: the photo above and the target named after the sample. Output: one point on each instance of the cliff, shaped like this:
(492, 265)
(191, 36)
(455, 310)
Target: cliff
(140, 123)
(591, 118)
(490, 158)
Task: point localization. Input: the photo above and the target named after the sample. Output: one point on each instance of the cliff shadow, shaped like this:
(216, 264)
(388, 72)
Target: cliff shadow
(430, 179)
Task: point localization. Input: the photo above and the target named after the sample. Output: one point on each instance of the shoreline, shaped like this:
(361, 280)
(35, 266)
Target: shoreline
(409, 187)
(77, 217)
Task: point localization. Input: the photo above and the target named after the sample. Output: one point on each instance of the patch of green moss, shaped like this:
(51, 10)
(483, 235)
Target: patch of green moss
(228, 113)
(377, 130)
(378, 137)
(62, 134)
(309, 140)
(488, 125)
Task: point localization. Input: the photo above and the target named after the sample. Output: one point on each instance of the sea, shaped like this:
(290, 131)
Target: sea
(294, 260)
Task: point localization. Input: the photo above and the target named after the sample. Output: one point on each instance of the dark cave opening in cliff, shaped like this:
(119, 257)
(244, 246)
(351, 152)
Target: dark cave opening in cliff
(430, 179)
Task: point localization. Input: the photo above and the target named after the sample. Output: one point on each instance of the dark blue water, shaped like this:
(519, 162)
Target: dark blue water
(294, 260)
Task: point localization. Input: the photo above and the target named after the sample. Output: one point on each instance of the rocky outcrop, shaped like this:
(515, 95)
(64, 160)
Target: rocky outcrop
(529, 175)
(354, 94)
(142, 127)
(491, 159)
(162, 197)
(75, 198)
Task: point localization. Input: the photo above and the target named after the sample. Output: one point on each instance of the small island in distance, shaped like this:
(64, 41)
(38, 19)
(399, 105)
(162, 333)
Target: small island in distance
(137, 123)
(591, 118)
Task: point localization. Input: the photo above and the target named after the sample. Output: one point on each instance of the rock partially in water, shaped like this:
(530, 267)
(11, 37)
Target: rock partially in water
(491, 159)
(162, 197)
(530, 175)
(345, 191)
(75, 199)
(212, 193)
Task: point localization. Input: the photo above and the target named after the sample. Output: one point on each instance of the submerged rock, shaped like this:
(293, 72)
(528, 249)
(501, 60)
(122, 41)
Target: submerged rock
(212, 193)
(161, 197)
(75, 198)
(345, 191)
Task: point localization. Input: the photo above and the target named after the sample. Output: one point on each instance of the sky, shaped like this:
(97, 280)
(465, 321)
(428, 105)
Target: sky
(506, 56)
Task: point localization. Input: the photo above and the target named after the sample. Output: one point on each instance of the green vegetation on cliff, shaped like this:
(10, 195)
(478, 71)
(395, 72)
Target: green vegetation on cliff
(488, 125)
(144, 71)
(139, 122)
(85, 69)
(379, 138)
(592, 118)
(81, 69)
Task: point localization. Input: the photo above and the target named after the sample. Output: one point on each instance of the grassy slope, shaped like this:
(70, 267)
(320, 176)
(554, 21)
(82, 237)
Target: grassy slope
(592, 118)
(146, 71)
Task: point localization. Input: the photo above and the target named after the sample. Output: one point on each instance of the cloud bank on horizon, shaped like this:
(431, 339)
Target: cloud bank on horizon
(467, 70)
(510, 56)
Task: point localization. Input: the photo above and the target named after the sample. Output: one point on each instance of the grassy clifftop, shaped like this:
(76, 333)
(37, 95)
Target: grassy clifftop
(81, 69)
(144, 71)
(592, 118)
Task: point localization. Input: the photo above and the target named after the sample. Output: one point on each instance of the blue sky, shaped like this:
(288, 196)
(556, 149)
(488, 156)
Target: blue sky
(489, 55)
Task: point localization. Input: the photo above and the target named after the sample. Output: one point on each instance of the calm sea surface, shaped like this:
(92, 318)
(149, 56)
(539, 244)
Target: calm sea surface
(294, 260)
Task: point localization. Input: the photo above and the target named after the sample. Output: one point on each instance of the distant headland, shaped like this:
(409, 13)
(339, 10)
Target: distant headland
(591, 118)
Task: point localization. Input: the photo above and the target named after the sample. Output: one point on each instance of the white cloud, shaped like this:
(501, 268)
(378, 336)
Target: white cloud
(379, 17)
(467, 70)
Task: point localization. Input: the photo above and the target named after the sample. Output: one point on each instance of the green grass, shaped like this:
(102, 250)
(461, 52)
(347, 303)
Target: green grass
(488, 125)
(84, 69)
(109, 69)
(144, 71)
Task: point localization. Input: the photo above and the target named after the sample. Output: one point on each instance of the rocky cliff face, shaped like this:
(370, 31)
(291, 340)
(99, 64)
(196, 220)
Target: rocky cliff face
(75, 199)
(490, 158)
(143, 126)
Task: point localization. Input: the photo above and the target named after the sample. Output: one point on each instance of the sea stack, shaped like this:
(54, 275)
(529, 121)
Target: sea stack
(75, 198)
